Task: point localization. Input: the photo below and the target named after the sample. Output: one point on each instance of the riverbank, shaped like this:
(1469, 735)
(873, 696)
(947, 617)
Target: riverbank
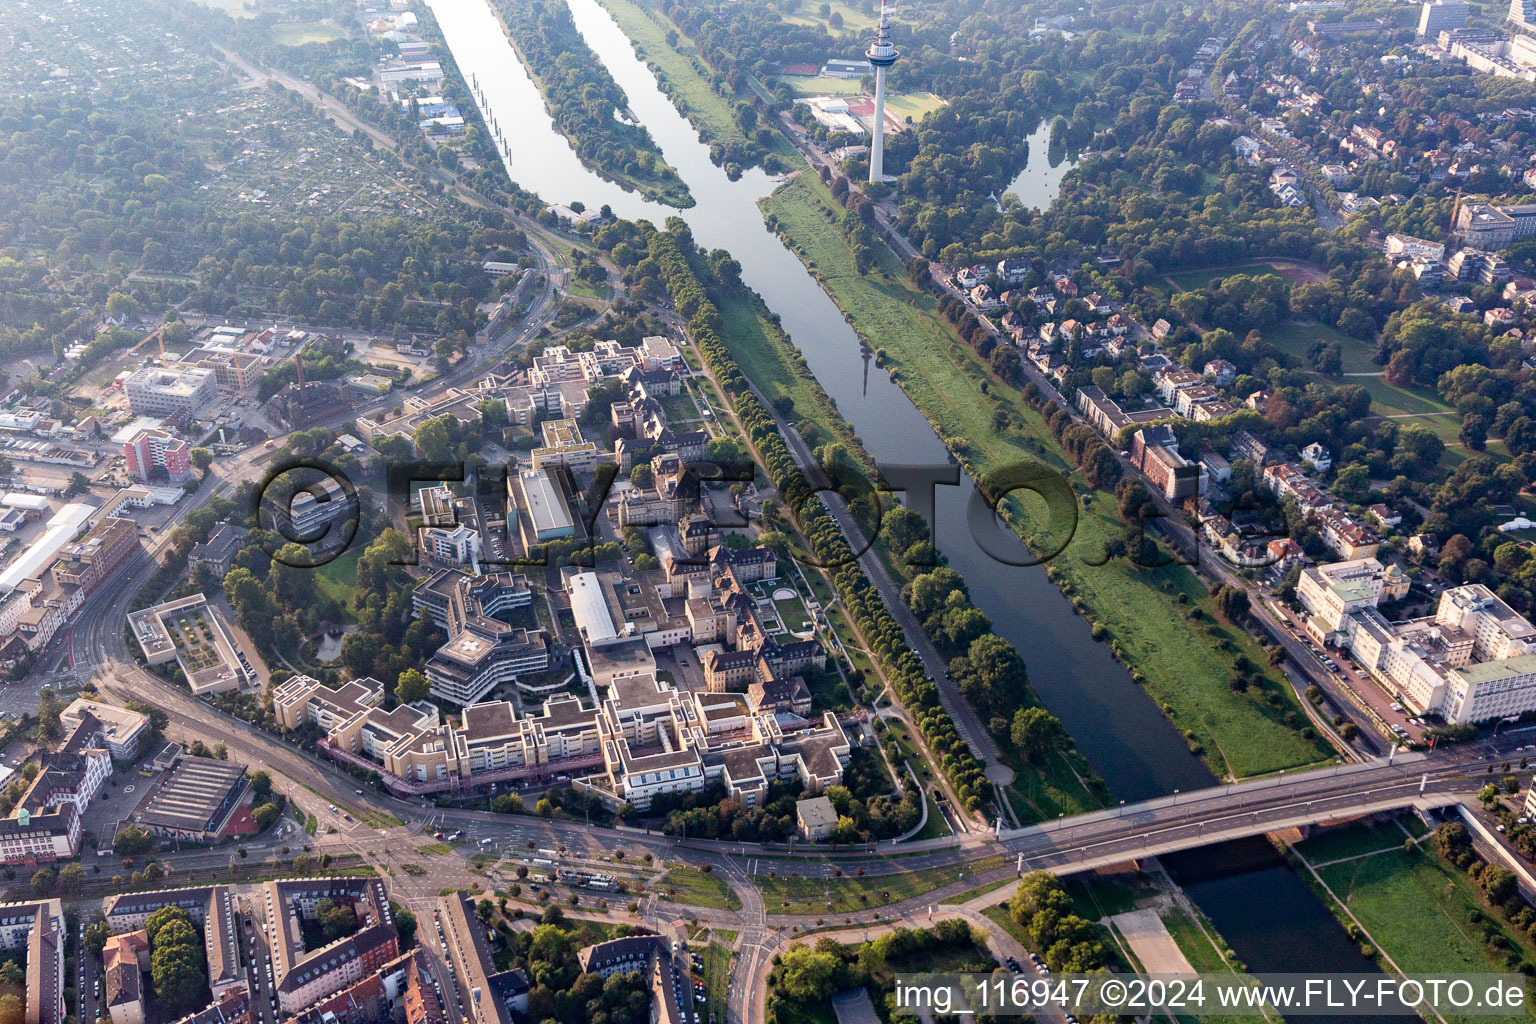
(1419, 913)
(1105, 898)
(1065, 783)
(679, 74)
(1185, 666)
(564, 93)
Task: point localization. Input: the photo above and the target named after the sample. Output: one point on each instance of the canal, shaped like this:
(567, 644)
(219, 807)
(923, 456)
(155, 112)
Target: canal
(1115, 724)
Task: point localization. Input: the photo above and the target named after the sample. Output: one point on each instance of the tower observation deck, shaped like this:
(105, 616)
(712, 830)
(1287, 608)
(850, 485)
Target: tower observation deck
(881, 54)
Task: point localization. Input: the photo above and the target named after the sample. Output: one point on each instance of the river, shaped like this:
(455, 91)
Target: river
(1115, 724)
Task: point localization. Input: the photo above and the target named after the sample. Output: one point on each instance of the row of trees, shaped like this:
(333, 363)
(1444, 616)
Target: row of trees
(829, 548)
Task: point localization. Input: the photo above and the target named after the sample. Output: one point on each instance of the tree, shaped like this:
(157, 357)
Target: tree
(43, 881)
(12, 1009)
(71, 878)
(808, 976)
(1037, 733)
(405, 924)
(264, 815)
(202, 458)
(1498, 884)
(411, 685)
(261, 784)
(48, 709)
(176, 960)
(484, 910)
(1231, 602)
(79, 483)
(96, 937)
(132, 841)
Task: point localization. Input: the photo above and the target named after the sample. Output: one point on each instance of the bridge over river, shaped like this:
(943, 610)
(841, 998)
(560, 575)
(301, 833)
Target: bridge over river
(1099, 839)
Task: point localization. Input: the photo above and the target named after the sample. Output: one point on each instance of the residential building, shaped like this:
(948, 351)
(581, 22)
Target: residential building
(304, 976)
(36, 928)
(1441, 16)
(88, 562)
(816, 818)
(1317, 456)
(490, 996)
(156, 454)
(1155, 454)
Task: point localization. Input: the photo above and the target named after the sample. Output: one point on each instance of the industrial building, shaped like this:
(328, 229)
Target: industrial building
(194, 801)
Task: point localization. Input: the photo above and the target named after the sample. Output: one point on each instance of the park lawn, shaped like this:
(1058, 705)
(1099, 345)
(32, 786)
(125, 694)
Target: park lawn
(337, 579)
(856, 18)
(980, 890)
(1390, 400)
(999, 915)
(937, 826)
(1419, 911)
(233, 8)
(698, 889)
(915, 105)
(1040, 796)
(1105, 896)
(1184, 666)
(845, 893)
(1445, 426)
(678, 71)
(1295, 338)
(1191, 280)
(1353, 841)
(300, 33)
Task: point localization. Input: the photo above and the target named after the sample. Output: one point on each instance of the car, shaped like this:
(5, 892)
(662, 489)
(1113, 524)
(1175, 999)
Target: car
(1042, 969)
(358, 792)
(1397, 707)
(1499, 827)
